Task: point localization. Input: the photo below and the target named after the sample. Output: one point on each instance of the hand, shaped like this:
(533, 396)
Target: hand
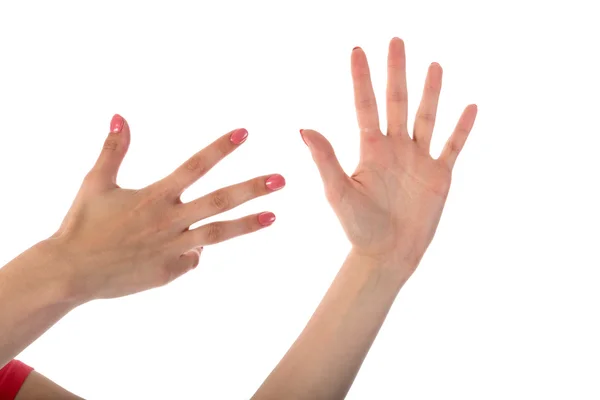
(392, 203)
(114, 242)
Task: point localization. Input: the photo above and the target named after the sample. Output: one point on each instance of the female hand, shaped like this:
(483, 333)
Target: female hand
(391, 205)
(114, 242)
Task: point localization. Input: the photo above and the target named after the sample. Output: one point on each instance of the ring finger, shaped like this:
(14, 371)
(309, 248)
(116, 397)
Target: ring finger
(230, 197)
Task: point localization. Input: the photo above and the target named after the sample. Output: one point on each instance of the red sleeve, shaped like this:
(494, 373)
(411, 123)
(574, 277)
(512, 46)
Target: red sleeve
(12, 377)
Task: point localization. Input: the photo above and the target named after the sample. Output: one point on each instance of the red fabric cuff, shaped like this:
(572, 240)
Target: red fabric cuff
(12, 377)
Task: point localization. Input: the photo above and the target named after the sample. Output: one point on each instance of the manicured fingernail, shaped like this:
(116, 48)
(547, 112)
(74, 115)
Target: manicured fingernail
(357, 47)
(239, 136)
(275, 182)
(266, 218)
(303, 138)
(116, 124)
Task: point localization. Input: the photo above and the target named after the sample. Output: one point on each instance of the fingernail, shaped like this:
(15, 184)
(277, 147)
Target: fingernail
(275, 182)
(357, 47)
(266, 218)
(303, 138)
(199, 251)
(116, 124)
(239, 136)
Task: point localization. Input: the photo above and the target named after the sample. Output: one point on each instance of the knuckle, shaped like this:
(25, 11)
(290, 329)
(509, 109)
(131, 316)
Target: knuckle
(164, 223)
(258, 187)
(427, 117)
(335, 193)
(455, 146)
(329, 156)
(111, 144)
(91, 176)
(398, 96)
(196, 164)
(214, 232)
(221, 200)
(178, 214)
(250, 225)
(366, 103)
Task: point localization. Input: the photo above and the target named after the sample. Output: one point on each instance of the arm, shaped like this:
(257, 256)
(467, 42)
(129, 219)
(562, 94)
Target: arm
(324, 361)
(115, 242)
(389, 209)
(33, 297)
(37, 386)
(19, 381)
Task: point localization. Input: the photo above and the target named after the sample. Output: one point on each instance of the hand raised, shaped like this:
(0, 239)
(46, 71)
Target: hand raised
(391, 205)
(116, 242)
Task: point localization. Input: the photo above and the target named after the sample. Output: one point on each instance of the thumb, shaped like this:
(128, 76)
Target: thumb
(115, 147)
(333, 176)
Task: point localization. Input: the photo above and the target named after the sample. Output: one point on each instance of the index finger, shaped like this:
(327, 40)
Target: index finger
(201, 162)
(457, 140)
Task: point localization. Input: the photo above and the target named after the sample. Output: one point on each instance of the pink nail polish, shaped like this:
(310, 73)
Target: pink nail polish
(266, 218)
(239, 136)
(116, 124)
(303, 138)
(275, 182)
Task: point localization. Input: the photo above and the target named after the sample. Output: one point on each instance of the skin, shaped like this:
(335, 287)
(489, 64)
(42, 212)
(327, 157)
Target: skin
(37, 386)
(114, 242)
(389, 208)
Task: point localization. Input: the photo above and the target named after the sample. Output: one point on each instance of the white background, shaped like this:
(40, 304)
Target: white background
(504, 304)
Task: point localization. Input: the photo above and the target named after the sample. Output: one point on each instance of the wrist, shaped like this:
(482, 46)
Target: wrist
(58, 274)
(34, 286)
(393, 266)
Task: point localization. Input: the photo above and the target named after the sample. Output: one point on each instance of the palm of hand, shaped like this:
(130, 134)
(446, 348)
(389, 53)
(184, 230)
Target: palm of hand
(394, 199)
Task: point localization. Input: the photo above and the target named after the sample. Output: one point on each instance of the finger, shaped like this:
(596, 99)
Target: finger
(217, 232)
(333, 176)
(364, 97)
(426, 113)
(184, 263)
(201, 162)
(457, 140)
(230, 197)
(397, 94)
(104, 172)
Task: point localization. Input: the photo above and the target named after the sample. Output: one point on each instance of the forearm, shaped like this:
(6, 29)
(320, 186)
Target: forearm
(37, 386)
(33, 297)
(326, 357)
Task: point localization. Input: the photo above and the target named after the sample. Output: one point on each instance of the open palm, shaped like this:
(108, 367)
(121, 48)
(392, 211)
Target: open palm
(392, 203)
